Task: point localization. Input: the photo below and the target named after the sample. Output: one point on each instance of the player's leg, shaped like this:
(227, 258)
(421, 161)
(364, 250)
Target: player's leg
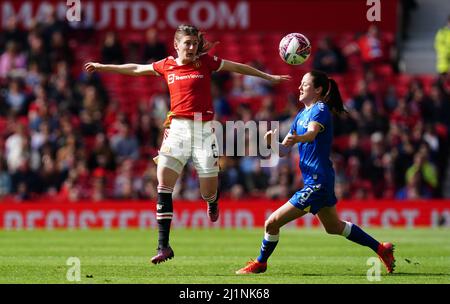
(210, 193)
(174, 152)
(168, 171)
(330, 220)
(276, 220)
(334, 225)
(205, 156)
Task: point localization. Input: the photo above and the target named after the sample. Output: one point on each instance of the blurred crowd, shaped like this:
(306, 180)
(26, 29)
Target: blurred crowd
(63, 135)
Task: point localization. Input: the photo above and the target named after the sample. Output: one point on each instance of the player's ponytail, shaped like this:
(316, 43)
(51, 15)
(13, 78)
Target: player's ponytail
(330, 91)
(334, 99)
(204, 46)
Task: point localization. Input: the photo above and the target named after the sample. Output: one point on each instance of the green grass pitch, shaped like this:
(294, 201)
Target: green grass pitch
(211, 256)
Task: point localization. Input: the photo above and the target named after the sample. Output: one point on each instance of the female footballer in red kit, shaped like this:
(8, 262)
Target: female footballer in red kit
(189, 80)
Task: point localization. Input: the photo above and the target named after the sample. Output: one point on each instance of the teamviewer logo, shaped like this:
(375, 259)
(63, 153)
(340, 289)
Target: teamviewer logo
(170, 78)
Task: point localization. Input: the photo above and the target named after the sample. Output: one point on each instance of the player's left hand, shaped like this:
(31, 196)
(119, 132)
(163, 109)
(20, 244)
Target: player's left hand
(279, 78)
(292, 139)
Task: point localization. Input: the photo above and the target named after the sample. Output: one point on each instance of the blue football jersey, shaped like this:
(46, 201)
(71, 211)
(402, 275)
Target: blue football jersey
(315, 162)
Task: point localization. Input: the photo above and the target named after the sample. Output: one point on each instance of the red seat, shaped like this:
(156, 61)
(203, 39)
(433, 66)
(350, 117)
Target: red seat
(228, 38)
(402, 82)
(3, 126)
(253, 102)
(341, 142)
(252, 39)
(89, 142)
(111, 79)
(384, 70)
(428, 81)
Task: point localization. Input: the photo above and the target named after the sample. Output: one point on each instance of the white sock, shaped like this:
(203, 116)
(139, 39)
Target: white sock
(271, 238)
(347, 229)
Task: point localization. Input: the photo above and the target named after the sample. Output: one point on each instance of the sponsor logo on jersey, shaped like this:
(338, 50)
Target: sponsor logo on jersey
(171, 78)
(303, 123)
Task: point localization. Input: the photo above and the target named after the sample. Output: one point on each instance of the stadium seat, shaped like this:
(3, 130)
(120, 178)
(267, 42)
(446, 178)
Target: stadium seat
(428, 81)
(251, 39)
(253, 102)
(402, 82)
(229, 38)
(384, 70)
(340, 143)
(3, 126)
(89, 142)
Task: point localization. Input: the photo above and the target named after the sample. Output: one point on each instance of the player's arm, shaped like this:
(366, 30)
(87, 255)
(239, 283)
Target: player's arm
(127, 69)
(271, 139)
(313, 129)
(245, 69)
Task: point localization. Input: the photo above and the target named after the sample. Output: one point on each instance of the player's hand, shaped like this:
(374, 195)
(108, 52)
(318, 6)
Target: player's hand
(91, 67)
(279, 78)
(269, 134)
(292, 139)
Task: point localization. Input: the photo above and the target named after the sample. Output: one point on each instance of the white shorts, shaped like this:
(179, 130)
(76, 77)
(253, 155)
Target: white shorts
(188, 139)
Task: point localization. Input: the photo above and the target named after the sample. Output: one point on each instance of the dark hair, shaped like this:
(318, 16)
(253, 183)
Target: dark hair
(330, 91)
(189, 30)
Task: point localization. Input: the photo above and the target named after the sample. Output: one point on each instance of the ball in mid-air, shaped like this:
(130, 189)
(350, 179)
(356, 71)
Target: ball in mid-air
(295, 48)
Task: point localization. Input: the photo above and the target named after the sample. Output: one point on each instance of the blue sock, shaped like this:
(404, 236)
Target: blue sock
(357, 235)
(267, 247)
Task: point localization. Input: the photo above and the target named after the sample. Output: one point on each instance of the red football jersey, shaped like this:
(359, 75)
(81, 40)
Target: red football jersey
(189, 85)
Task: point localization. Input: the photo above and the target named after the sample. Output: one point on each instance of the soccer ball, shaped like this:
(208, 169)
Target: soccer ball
(295, 48)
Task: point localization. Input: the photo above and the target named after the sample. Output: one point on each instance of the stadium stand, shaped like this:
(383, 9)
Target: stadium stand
(59, 127)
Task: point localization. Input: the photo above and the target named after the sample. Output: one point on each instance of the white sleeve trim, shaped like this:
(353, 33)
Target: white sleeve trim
(221, 65)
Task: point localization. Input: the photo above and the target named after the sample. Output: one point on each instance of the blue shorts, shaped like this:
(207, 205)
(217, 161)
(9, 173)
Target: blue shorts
(312, 198)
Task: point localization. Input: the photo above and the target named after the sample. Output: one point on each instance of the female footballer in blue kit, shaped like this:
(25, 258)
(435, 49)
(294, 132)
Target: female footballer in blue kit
(312, 129)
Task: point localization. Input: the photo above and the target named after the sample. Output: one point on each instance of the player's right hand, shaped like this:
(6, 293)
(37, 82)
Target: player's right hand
(91, 67)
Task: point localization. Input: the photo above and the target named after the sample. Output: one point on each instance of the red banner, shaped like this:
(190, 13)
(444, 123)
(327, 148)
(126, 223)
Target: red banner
(85, 215)
(255, 15)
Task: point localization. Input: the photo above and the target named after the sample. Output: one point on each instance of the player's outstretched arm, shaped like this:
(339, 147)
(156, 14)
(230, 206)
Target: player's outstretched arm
(313, 129)
(271, 138)
(245, 69)
(127, 69)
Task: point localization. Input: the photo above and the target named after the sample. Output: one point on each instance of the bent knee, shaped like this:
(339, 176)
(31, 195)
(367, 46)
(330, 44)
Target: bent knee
(333, 229)
(271, 226)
